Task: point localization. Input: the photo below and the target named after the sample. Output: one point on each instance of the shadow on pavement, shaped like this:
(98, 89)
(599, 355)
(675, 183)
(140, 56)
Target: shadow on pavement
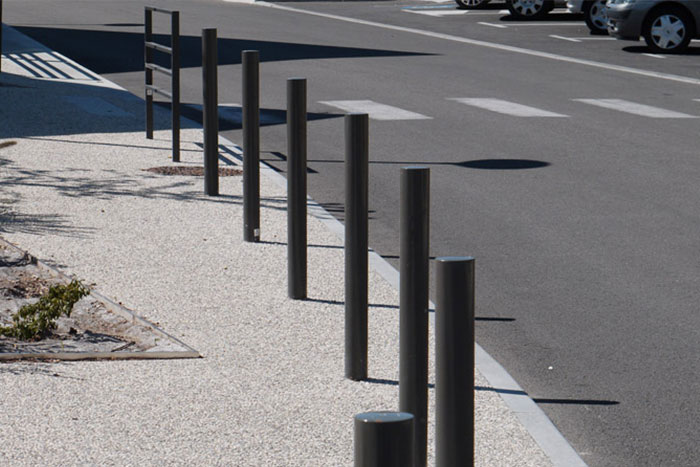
(106, 52)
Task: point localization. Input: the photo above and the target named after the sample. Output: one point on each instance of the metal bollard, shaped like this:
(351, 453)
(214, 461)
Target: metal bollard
(356, 242)
(413, 328)
(250, 60)
(211, 112)
(148, 58)
(383, 439)
(175, 82)
(454, 362)
(0, 35)
(296, 181)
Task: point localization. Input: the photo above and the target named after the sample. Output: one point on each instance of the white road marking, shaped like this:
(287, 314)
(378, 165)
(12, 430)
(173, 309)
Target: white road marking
(492, 45)
(634, 108)
(655, 55)
(437, 12)
(570, 39)
(543, 23)
(493, 25)
(375, 110)
(506, 107)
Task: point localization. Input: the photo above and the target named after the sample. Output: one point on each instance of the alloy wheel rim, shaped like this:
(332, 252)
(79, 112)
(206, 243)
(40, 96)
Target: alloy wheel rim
(528, 7)
(668, 31)
(599, 14)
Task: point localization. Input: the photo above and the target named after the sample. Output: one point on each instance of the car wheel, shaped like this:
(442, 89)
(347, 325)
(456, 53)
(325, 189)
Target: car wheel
(668, 30)
(596, 16)
(473, 4)
(529, 9)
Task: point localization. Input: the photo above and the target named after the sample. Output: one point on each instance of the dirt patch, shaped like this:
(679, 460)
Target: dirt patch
(97, 328)
(193, 171)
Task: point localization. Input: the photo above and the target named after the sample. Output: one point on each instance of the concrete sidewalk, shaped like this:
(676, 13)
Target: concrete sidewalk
(270, 389)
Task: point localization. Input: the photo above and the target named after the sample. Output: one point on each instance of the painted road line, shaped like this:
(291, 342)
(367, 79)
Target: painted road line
(634, 108)
(506, 107)
(431, 7)
(437, 13)
(654, 55)
(570, 39)
(501, 26)
(491, 45)
(375, 110)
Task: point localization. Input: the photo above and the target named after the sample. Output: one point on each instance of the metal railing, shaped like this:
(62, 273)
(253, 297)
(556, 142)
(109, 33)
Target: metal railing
(174, 72)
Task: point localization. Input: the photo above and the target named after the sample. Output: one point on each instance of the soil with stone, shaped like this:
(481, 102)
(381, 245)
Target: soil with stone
(92, 327)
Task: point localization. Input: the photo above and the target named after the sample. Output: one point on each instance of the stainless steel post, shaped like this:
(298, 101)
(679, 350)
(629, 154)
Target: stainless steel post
(251, 145)
(454, 362)
(296, 180)
(211, 113)
(356, 244)
(383, 439)
(413, 310)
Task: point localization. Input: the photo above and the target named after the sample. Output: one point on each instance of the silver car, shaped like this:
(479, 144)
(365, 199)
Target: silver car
(595, 13)
(519, 9)
(666, 25)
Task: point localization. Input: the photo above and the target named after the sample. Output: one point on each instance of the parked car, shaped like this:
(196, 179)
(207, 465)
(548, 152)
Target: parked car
(594, 13)
(532, 9)
(666, 25)
(519, 9)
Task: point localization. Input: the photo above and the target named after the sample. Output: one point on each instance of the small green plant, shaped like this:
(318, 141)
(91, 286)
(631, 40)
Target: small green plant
(36, 320)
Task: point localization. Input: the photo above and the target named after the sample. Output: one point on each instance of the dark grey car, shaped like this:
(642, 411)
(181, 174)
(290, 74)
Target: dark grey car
(666, 25)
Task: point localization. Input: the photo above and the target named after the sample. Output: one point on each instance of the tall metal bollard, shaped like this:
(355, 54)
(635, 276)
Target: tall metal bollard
(383, 439)
(175, 82)
(356, 243)
(148, 58)
(211, 112)
(413, 333)
(251, 145)
(296, 180)
(0, 35)
(454, 362)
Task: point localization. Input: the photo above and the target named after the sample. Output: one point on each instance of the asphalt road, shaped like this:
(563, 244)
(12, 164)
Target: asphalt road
(584, 221)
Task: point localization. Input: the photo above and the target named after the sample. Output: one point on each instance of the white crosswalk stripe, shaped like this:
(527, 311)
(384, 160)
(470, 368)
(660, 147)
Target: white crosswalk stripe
(506, 107)
(634, 108)
(375, 110)
(438, 13)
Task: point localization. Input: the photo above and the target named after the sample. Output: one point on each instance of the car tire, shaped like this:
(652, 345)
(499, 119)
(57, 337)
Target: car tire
(472, 4)
(529, 9)
(668, 30)
(596, 17)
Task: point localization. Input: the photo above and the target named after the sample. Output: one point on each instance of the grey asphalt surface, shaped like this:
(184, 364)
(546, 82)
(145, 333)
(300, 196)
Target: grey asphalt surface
(587, 276)
(270, 389)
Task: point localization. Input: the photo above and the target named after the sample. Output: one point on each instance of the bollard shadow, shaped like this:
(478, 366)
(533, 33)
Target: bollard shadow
(311, 245)
(340, 302)
(482, 164)
(231, 116)
(95, 49)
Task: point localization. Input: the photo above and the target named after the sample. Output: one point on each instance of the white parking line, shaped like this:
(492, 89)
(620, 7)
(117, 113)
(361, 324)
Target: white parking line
(505, 107)
(375, 110)
(436, 13)
(654, 55)
(634, 108)
(501, 26)
(570, 39)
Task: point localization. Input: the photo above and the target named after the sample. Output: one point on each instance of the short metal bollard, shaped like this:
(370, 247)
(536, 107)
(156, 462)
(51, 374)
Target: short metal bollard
(250, 60)
(356, 244)
(211, 112)
(413, 309)
(296, 181)
(383, 439)
(454, 362)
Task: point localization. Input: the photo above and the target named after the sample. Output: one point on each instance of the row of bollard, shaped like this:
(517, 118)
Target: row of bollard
(384, 439)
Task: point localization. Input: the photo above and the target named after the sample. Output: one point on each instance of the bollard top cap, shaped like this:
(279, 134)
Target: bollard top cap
(383, 417)
(455, 259)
